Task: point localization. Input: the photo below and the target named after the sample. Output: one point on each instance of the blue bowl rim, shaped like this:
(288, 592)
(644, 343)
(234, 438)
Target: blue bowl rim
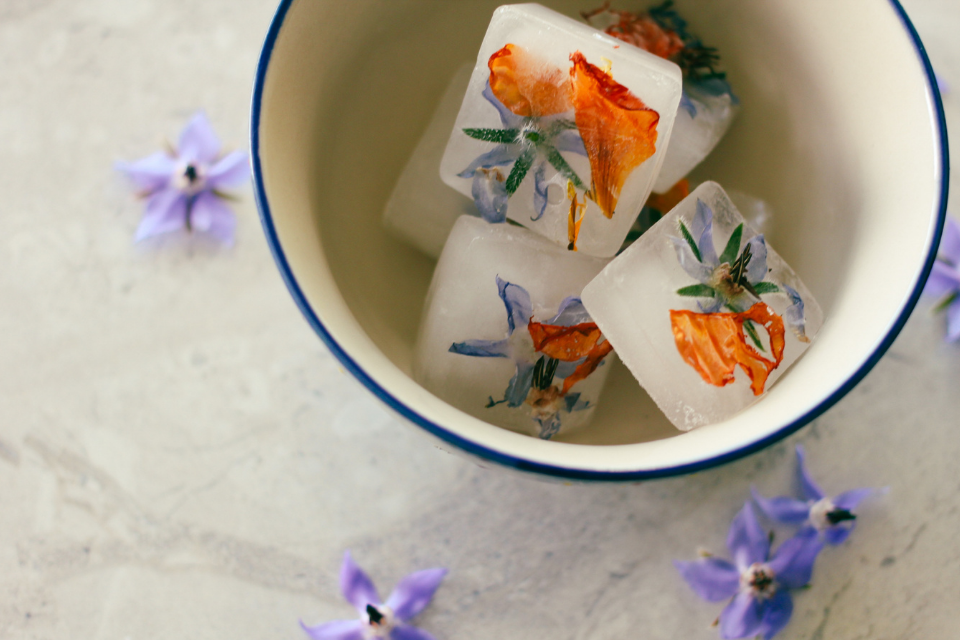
(521, 464)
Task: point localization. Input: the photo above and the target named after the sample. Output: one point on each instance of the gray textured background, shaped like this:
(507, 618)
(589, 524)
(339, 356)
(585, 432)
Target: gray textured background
(180, 457)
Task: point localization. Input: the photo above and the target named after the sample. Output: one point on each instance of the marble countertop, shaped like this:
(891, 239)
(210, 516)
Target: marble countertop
(180, 457)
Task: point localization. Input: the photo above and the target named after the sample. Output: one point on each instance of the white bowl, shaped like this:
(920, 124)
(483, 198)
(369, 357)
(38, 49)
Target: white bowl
(841, 131)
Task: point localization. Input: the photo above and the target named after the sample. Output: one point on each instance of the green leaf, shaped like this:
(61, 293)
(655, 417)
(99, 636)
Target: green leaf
(945, 302)
(555, 159)
(503, 136)
(519, 171)
(766, 287)
(690, 241)
(752, 332)
(697, 291)
(729, 254)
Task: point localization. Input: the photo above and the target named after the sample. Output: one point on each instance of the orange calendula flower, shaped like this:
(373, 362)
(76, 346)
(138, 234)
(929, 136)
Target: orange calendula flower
(639, 30)
(526, 85)
(714, 344)
(569, 344)
(619, 131)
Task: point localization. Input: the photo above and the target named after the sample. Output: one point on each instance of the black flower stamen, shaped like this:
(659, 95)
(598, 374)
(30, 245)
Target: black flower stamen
(543, 372)
(761, 581)
(838, 515)
(190, 173)
(375, 616)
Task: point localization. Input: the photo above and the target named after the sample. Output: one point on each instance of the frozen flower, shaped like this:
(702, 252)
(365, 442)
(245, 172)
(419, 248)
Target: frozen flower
(380, 619)
(732, 279)
(183, 187)
(830, 519)
(530, 98)
(619, 131)
(756, 583)
(944, 281)
(569, 346)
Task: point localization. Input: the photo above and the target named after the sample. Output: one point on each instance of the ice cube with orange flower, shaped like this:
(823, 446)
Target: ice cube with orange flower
(562, 128)
(705, 314)
(504, 335)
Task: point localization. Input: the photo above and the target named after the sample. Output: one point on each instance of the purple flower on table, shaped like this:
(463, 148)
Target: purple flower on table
(183, 186)
(944, 281)
(756, 583)
(524, 143)
(554, 354)
(829, 519)
(380, 619)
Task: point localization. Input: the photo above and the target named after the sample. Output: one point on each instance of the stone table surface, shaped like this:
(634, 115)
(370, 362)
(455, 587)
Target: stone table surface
(180, 457)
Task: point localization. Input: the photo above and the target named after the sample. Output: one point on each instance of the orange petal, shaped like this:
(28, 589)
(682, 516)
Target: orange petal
(527, 85)
(642, 31)
(569, 344)
(619, 131)
(714, 344)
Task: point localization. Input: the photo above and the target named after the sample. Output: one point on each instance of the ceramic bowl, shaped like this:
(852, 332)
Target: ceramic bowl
(841, 132)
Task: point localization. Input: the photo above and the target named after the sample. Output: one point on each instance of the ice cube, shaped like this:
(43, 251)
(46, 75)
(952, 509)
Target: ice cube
(422, 209)
(702, 311)
(706, 111)
(562, 129)
(504, 336)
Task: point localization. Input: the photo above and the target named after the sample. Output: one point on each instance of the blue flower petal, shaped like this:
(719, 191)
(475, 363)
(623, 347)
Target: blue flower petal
(953, 321)
(569, 140)
(414, 592)
(490, 196)
(794, 314)
(517, 301)
(810, 489)
(540, 185)
(713, 579)
(778, 611)
(150, 173)
(686, 102)
(571, 312)
(943, 279)
(500, 156)
(509, 119)
(572, 402)
(742, 617)
(757, 269)
(694, 268)
(702, 231)
(166, 211)
(406, 632)
(336, 630)
(850, 499)
(792, 564)
(229, 171)
(198, 141)
(209, 214)
(482, 348)
(356, 585)
(566, 369)
(519, 387)
(838, 534)
(782, 509)
(549, 427)
(748, 543)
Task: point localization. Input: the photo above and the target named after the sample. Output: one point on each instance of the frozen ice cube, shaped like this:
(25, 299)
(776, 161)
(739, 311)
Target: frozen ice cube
(707, 110)
(504, 336)
(422, 209)
(702, 311)
(562, 129)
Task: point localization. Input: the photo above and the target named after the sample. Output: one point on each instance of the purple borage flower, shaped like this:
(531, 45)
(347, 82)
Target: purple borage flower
(828, 519)
(380, 619)
(519, 347)
(183, 186)
(529, 143)
(944, 281)
(756, 583)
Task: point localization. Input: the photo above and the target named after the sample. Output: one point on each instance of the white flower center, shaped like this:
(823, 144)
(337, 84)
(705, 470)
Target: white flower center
(378, 621)
(189, 178)
(760, 580)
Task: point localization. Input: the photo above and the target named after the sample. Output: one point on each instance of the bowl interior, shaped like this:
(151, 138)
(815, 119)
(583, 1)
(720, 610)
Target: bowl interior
(850, 165)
